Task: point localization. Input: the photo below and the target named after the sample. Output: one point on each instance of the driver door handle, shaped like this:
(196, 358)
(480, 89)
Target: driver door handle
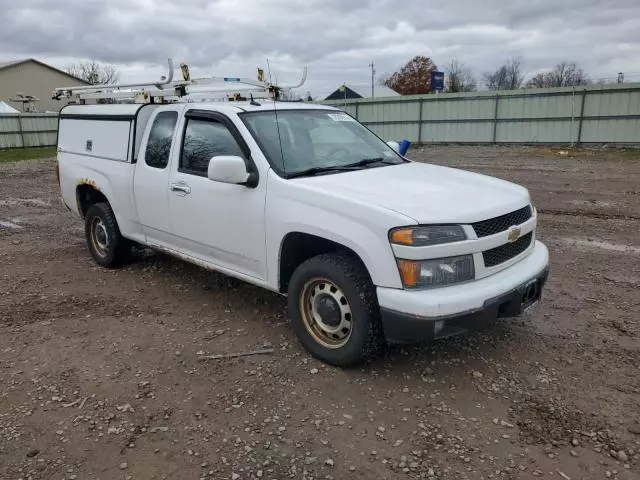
(181, 187)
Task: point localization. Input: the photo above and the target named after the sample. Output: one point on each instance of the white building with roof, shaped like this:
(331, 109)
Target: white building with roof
(32, 78)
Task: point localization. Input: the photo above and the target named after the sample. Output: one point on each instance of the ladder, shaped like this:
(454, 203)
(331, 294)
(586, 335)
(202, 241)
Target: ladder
(168, 90)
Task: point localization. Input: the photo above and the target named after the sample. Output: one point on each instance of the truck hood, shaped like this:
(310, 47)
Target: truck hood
(427, 193)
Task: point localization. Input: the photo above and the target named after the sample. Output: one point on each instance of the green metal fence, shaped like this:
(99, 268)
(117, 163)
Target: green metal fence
(594, 114)
(28, 130)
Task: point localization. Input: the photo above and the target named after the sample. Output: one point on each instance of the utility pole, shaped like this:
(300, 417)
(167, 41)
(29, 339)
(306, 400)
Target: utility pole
(373, 73)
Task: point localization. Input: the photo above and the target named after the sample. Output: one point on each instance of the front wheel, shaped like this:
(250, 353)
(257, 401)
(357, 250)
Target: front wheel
(334, 310)
(107, 246)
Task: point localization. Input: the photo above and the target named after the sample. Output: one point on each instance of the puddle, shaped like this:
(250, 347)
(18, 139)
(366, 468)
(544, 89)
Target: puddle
(601, 245)
(10, 225)
(592, 203)
(31, 202)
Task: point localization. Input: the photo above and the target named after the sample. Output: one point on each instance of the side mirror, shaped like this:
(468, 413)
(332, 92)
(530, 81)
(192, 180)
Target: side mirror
(230, 169)
(394, 145)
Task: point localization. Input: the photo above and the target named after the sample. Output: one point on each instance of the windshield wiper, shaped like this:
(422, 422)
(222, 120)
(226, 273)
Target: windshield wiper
(369, 161)
(315, 170)
(340, 168)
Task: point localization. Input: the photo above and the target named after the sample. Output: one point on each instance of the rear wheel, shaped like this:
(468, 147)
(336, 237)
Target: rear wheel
(334, 310)
(106, 244)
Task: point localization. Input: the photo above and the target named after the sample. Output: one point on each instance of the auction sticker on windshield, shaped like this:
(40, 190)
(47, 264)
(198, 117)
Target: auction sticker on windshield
(340, 117)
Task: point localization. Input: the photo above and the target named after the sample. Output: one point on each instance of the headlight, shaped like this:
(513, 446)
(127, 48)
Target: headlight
(436, 272)
(427, 235)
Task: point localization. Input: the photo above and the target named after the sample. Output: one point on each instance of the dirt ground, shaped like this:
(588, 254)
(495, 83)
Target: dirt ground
(100, 378)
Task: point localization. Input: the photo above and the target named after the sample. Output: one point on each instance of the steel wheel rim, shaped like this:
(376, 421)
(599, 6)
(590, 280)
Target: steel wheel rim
(326, 313)
(99, 236)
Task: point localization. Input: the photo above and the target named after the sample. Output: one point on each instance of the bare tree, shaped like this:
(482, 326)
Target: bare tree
(383, 79)
(564, 74)
(94, 73)
(506, 77)
(460, 78)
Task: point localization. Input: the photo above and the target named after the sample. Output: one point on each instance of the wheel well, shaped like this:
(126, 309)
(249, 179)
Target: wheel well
(87, 195)
(298, 247)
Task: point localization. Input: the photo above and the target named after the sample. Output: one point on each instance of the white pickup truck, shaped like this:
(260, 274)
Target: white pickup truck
(303, 200)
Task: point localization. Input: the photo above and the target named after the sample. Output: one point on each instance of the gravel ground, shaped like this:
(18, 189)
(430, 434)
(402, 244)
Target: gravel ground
(101, 380)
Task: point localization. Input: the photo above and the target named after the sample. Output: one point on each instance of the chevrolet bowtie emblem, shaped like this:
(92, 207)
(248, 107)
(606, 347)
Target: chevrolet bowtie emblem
(514, 234)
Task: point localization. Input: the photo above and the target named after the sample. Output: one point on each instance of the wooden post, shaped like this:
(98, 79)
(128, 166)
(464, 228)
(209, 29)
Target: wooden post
(495, 119)
(420, 121)
(584, 96)
(21, 130)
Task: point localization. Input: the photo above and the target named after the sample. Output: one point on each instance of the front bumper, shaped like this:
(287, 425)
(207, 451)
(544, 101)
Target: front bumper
(411, 316)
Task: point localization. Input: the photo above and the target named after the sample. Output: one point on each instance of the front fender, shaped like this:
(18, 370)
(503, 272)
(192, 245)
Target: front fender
(375, 255)
(364, 232)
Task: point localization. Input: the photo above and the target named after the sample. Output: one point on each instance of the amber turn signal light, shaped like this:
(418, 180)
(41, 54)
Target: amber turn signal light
(403, 236)
(408, 272)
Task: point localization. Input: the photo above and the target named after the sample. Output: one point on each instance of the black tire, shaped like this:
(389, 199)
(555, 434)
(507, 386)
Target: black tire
(366, 338)
(116, 249)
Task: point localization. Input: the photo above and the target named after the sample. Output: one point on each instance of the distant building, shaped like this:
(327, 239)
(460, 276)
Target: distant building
(32, 78)
(6, 109)
(361, 91)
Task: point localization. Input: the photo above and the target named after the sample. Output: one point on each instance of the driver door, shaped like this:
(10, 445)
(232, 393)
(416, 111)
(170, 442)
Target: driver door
(219, 223)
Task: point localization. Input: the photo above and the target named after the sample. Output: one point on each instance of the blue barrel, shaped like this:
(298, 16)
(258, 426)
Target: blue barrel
(404, 146)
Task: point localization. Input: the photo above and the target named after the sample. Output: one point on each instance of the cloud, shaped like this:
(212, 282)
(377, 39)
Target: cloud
(335, 38)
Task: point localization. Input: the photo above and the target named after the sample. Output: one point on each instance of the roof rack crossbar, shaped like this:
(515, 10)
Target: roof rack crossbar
(168, 88)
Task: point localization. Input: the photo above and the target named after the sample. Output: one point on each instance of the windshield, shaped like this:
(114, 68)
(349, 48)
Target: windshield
(317, 141)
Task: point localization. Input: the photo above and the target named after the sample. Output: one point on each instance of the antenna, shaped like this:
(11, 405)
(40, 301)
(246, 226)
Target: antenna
(275, 110)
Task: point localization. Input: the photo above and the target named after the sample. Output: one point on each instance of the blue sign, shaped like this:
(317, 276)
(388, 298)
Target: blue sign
(437, 81)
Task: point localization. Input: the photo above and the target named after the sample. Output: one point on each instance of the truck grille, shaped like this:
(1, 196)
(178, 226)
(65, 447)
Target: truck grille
(505, 252)
(501, 223)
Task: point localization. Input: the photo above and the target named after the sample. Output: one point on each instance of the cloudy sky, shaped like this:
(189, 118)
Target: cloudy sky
(337, 39)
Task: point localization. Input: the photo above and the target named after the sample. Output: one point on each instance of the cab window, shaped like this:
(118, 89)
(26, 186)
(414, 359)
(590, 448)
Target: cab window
(204, 139)
(160, 137)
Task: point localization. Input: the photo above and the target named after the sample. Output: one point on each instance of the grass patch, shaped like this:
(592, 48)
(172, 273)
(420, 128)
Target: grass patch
(17, 154)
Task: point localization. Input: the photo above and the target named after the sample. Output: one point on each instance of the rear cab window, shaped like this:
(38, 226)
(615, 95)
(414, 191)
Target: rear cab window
(160, 138)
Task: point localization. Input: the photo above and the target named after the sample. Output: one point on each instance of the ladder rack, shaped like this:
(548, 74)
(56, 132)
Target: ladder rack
(168, 90)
